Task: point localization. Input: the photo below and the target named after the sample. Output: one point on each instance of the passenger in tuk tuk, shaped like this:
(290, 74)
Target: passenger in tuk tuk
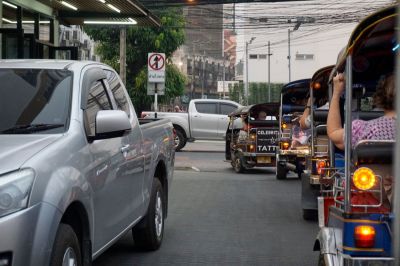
(382, 128)
(262, 115)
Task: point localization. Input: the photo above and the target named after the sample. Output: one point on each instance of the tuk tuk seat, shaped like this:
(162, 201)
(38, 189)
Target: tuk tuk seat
(369, 115)
(264, 123)
(321, 116)
(374, 152)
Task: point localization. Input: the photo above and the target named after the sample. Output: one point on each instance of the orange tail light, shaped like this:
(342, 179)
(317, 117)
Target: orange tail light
(364, 178)
(364, 236)
(321, 164)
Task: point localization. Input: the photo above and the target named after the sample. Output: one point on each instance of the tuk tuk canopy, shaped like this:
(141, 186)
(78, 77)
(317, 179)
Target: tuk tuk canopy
(372, 46)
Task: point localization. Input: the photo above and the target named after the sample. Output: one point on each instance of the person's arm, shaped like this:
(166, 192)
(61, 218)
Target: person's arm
(305, 116)
(334, 123)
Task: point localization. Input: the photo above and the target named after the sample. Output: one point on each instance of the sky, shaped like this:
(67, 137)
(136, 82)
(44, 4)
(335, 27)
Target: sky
(325, 29)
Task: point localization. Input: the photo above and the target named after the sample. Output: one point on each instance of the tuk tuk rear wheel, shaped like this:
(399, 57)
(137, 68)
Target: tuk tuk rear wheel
(238, 164)
(281, 172)
(321, 261)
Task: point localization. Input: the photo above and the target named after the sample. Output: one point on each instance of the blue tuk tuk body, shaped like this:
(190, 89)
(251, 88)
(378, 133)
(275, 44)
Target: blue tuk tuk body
(357, 231)
(291, 152)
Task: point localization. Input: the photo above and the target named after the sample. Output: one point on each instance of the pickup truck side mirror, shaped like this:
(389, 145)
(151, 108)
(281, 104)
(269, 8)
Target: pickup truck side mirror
(111, 124)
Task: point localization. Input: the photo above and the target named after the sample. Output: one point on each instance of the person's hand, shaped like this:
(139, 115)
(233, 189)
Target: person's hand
(338, 84)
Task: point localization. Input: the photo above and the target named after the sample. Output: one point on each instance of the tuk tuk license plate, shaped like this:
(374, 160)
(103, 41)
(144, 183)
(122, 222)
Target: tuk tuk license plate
(264, 159)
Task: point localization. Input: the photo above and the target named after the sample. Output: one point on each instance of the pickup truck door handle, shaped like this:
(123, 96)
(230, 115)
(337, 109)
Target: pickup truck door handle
(125, 148)
(197, 116)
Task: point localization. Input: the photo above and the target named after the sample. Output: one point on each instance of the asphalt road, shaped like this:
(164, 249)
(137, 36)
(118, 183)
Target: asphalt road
(218, 217)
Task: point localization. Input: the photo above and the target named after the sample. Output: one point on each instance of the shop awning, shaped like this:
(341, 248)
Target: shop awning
(123, 12)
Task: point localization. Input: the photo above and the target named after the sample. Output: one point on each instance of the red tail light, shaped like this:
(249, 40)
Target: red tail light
(364, 236)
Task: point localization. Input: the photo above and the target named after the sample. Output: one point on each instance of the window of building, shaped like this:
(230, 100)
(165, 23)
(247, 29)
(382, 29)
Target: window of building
(304, 57)
(262, 56)
(253, 56)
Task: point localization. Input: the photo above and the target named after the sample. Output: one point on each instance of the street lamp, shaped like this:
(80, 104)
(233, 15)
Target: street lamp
(299, 21)
(247, 70)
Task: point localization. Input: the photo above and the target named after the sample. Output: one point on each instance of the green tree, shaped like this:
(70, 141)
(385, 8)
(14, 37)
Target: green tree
(141, 41)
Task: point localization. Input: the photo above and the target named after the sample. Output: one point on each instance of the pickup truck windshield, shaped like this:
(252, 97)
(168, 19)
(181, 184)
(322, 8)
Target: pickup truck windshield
(34, 101)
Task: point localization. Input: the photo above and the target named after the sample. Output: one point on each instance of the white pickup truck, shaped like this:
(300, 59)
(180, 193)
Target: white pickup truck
(206, 119)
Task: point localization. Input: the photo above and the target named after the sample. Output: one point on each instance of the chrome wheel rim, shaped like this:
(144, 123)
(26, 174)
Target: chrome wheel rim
(177, 141)
(69, 258)
(237, 164)
(159, 215)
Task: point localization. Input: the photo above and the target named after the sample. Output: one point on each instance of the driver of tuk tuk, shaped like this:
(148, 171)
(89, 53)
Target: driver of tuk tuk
(244, 130)
(382, 128)
(305, 119)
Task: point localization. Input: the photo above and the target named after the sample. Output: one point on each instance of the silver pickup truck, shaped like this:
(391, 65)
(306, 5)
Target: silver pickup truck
(77, 170)
(206, 119)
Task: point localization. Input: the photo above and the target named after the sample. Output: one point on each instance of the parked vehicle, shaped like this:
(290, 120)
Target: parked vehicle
(293, 141)
(205, 120)
(358, 221)
(316, 178)
(77, 170)
(251, 140)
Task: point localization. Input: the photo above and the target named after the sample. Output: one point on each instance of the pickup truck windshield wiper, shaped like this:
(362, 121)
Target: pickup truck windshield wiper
(30, 128)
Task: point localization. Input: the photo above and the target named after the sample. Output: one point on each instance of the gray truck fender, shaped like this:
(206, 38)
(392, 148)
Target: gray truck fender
(68, 185)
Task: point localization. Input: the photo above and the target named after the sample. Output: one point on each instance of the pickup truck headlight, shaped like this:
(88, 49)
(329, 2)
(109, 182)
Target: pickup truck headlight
(15, 189)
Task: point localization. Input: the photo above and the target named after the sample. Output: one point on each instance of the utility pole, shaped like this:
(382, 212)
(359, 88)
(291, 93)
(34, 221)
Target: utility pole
(289, 52)
(246, 87)
(223, 79)
(203, 76)
(247, 70)
(269, 71)
(122, 54)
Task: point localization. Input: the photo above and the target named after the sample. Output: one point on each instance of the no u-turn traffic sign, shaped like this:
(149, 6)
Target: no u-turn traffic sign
(156, 67)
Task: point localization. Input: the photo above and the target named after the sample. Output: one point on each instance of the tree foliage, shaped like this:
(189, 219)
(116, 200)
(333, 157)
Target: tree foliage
(141, 41)
(258, 92)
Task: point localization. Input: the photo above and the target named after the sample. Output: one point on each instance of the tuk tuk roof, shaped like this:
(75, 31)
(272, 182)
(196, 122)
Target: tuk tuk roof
(372, 46)
(295, 90)
(272, 109)
(320, 84)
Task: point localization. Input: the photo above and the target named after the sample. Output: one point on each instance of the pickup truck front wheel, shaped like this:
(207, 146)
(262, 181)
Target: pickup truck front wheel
(148, 234)
(66, 249)
(180, 140)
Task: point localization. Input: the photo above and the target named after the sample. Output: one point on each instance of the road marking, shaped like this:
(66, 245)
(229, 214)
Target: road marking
(195, 169)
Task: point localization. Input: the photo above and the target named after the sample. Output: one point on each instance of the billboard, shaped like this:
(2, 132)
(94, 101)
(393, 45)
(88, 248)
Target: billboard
(230, 46)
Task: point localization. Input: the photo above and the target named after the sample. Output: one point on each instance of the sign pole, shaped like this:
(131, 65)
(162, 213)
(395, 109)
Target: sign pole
(155, 100)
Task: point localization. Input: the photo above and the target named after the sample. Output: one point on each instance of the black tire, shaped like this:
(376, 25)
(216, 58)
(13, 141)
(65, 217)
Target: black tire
(238, 164)
(66, 241)
(145, 234)
(281, 172)
(310, 214)
(180, 140)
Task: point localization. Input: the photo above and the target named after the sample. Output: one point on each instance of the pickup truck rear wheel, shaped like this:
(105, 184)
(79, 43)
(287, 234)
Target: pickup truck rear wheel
(148, 234)
(180, 140)
(66, 248)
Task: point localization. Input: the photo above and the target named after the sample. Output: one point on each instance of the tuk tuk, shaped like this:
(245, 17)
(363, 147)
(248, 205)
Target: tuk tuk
(358, 218)
(316, 178)
(252, 136)
(293, 142)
